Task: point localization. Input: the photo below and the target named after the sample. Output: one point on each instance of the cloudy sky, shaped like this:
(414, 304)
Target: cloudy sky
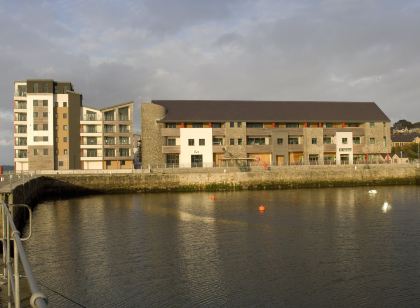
(114, 51)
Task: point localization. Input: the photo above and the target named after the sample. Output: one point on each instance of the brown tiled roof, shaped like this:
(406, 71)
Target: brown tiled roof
(269, 111)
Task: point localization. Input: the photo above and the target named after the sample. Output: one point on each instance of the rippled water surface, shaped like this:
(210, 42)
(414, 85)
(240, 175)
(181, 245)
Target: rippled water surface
(315, 247)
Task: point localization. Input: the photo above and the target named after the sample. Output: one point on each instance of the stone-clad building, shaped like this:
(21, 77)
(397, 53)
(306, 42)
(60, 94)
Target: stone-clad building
(222, 133)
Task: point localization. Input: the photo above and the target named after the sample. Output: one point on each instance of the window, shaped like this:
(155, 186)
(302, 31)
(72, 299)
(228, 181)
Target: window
(35, 114)
(172, 160)
(64, 139)
(232, 141)
(109, 128)
(372, 140)
(239, 141)
(35, 126)
(60, 163)
(45, 103)
(45, 114)
(232, 124)
(356, 140)
(91, 153)
(123, 128)
(190, 142)
(279, 140)
(344, 140)
(45, 151)
(216, 125)
(109, 152)
(22, 129)
(328, 125)
(170, 125)
(353, 125)
(384, 141)
(64, 104)
(35, 152)
(108, 163)
(254, 125)
(239, 124)
(197, 125)
(217, 141)
(293, 140)
(171, 141)
(109, 140)
(327, 140)
(92, 140)
(44, 126)
(372, 124)
(36, 90)
(124, 140)
(314, 141)
(292, 125)
(122, 163)
(35, 103)
(201, 141)
(40, 138)
(91, 129)
(255, 141)
(64, 115)
(65, 151)
(65, 127)
(124, 152)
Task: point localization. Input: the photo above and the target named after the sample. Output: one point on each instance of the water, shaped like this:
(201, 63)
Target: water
(311, 248)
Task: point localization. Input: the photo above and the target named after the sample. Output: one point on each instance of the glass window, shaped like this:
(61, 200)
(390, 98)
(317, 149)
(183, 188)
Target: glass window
(344, 140)
(239, 141)
(92, 153)
(172, 160)
(327, 140)
(216, 125)
(190, 142)
(45, 114)
(239, 124)
(171, 141)
(314, 141)
(35, 102)
(65, 127)
(292, 125)
(60, 163)
(124, 152)
(64, 139)
(356, 140)
(293, 140)
(328, 125)
(254, 125)
(64, 104)
(64, 115)
(65, 151)
(197, 125)
(44, 126)
(45, 103)
(201, 141)
(372, 140)
(232, 141)
(45, 151)
(124, 129)
(170, 125)
(124, 140)
(35, 114)
(255, 141)
(217, 141)
(232, 124)
(279, 140)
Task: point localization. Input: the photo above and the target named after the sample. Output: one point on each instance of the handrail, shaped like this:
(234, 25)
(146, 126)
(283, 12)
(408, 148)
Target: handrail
(10, 232)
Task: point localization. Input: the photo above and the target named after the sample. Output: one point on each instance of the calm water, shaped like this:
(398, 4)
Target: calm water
(315, 247)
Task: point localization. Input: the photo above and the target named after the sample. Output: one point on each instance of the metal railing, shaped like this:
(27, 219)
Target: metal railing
(11, 272)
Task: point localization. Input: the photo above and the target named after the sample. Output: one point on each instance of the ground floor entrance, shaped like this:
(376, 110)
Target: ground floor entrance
(196, 161)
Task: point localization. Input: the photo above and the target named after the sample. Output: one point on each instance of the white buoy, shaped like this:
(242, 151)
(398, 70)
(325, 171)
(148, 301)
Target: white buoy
(386, 207)
(373, 191)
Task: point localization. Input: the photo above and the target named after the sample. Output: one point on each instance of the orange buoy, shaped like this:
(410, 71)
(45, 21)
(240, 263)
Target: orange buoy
(261, 208)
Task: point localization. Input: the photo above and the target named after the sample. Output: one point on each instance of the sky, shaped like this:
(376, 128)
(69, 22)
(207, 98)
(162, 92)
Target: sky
(117, 51)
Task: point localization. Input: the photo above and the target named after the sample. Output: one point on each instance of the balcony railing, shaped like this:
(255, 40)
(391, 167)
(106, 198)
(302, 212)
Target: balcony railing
(123, 117)
(90, 117)
(22, 142)
(21, 105)
(109, 118)
(21, 118)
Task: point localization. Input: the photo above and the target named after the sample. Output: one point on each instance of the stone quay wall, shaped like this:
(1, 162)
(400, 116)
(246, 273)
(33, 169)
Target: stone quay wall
(220, 179)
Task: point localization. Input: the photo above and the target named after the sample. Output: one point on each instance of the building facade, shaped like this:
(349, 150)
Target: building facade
(53, 131)
(237, 133)
(46, 125)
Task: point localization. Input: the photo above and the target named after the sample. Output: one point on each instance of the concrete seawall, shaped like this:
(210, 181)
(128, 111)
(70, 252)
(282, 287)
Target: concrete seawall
(281, 178)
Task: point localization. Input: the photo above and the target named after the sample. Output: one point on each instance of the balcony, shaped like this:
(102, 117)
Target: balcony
(170, 132)
(295, 148)
(171, 149)
(21, 117)
(21, 142)
(21, 105)
(330, 147)
(123, 117)
(259, 131)
(264, 148)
